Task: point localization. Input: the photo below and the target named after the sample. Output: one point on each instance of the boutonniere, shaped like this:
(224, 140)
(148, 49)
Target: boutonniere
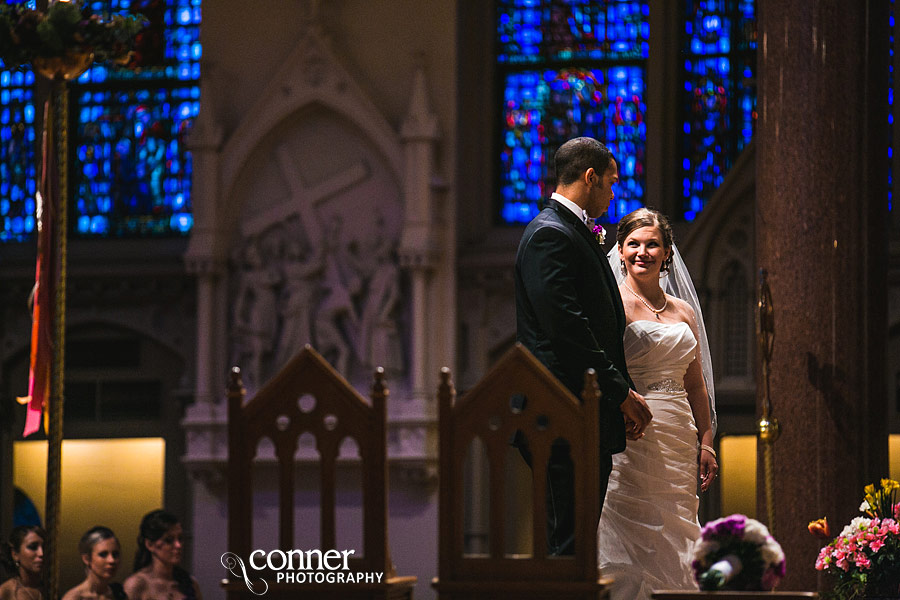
(599, 233)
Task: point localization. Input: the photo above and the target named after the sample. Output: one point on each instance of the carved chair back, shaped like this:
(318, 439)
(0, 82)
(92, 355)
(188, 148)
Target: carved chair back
(335, 413)
(518, 397)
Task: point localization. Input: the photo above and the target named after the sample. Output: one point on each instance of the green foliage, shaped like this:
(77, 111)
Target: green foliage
(65, 28)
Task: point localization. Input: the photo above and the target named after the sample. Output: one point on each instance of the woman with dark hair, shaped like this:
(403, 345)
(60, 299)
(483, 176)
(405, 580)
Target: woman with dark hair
(649, 521)
(23, 556)
(156, 571)
(100, 553)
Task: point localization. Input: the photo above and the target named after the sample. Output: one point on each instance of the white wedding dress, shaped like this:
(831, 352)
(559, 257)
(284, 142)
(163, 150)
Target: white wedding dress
(649, 520)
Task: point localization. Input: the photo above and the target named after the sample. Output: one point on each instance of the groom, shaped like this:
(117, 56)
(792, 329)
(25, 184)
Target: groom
(569, 315)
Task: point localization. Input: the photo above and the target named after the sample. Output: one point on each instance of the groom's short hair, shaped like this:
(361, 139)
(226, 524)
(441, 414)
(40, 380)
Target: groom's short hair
(577, 156)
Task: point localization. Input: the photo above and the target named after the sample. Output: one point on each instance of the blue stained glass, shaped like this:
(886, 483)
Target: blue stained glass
(136, 169)
(114, 141)
(720, 93)
(135, 163)
(547, 100)
(534, 31)
(890, 134)
(17, 156)
(564, 104)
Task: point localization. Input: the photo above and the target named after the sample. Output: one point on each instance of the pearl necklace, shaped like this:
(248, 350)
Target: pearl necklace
(655, 311)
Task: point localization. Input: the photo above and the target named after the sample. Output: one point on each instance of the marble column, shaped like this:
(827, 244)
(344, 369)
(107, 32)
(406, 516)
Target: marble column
(822, 171)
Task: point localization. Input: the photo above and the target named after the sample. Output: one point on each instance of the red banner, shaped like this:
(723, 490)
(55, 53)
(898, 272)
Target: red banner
(45, 284)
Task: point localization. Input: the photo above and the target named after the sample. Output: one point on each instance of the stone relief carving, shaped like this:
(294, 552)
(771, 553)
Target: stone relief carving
(374, 262)
(303, 266)
(336, 316)
(255, 316)
(338, 293)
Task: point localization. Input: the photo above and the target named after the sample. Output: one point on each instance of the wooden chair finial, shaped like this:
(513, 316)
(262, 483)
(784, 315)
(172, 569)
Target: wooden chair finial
(590, 391)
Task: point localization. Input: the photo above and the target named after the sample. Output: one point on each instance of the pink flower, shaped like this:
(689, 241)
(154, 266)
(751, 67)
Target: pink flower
(862, 561)
(769, 580)
(876, 545)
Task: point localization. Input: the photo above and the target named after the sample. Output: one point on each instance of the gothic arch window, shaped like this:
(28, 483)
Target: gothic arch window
(719, 98)
(130, 172)
(736, 319)
(569, 68)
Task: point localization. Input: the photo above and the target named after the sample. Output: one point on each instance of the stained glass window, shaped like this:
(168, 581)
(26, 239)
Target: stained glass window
(18, 181)
(17, 153)
(891, 113)
(131, 171)
(719, 94)
(570, 68)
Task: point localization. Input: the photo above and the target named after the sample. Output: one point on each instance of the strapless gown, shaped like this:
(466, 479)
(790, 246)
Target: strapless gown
(649, 521)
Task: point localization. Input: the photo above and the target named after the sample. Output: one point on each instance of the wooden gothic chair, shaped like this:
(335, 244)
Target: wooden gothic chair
(518, 395)
(339, 412)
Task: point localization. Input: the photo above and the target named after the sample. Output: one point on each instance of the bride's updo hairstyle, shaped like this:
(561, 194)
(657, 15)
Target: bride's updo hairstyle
(647, 217)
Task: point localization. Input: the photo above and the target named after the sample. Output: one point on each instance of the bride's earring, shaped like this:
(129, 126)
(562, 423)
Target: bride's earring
(622, 265)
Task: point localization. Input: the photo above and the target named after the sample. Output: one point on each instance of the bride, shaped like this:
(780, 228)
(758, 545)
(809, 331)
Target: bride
(649, 521)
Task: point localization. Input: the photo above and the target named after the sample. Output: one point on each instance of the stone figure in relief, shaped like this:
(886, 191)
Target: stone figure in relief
(336, 311)
(303, 268)
(255, 312)
(378, 342)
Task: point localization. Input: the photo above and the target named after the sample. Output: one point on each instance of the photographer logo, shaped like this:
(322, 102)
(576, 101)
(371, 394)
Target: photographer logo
(296, 567)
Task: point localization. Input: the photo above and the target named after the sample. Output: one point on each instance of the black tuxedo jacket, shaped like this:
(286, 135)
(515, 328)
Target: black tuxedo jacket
(569, 313)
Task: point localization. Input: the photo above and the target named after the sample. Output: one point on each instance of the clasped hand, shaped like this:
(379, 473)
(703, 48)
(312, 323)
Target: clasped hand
(637, 415)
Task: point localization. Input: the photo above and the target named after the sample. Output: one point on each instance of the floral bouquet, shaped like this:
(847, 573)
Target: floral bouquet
(865, 556)
(737, 553)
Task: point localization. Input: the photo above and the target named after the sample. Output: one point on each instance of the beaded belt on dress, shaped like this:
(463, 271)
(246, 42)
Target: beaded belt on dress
(666, 385)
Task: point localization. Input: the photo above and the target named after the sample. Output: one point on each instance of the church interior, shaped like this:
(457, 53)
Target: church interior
(355, 175)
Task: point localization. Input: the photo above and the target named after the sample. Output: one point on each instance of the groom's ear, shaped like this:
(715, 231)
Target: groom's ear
(588, 176)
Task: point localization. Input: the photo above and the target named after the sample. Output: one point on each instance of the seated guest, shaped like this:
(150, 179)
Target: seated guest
(23, 557)
(156, 571)
(100, 553)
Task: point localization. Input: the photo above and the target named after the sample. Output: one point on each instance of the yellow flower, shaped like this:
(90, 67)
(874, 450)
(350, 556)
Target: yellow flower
(889, 485)
(869, 489)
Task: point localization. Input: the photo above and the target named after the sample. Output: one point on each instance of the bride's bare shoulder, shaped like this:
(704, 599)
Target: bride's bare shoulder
(684, 310)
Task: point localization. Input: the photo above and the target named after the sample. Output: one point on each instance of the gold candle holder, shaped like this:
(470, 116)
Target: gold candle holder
(67, 67)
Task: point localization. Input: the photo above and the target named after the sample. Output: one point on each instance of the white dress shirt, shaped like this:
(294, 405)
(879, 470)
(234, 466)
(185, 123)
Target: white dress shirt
(577, 210)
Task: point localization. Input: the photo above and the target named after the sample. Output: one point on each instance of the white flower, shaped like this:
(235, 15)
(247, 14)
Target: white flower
(857, 524)
(755, 532)
(731, 538)
(864, 506)
(704, 548)
(771, 552)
